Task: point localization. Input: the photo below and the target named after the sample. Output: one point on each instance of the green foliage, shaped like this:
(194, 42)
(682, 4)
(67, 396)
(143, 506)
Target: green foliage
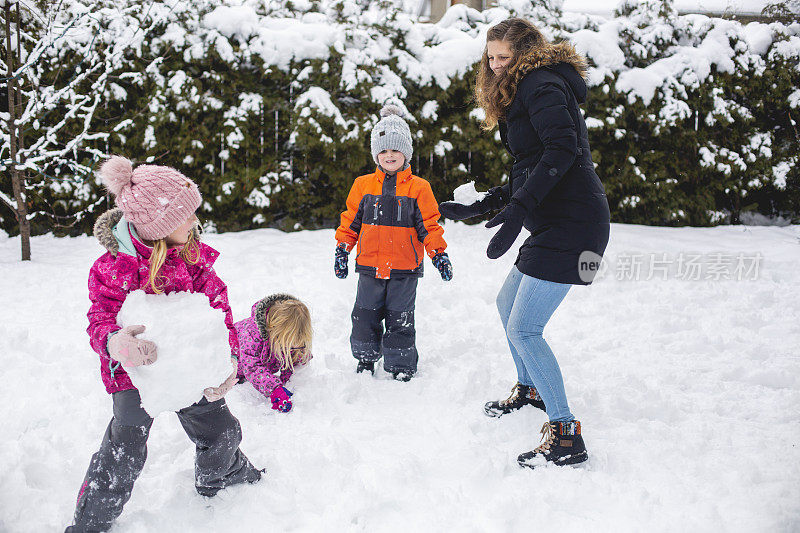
(278, 141)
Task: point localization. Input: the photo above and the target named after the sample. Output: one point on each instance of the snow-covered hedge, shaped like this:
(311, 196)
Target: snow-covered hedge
(269, 106)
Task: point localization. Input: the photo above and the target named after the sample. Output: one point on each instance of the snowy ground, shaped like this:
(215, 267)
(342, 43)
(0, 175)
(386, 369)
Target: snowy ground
(688, 392)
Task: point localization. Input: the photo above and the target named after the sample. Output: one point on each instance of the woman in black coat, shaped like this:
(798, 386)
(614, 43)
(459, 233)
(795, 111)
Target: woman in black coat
(531, 89)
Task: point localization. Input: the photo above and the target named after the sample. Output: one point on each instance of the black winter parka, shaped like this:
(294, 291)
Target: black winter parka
(553, 175)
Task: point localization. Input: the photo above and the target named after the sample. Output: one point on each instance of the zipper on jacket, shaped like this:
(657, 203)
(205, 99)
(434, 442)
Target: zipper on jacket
(113, 368)
(376, 211)
(399, 210)
(416, 257)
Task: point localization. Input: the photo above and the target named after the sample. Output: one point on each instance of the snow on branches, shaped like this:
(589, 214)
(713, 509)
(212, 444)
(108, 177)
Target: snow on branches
(279, 98)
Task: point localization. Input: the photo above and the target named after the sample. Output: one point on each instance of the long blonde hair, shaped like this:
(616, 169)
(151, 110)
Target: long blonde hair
(190, 253)
(494, 93)
(290, 332)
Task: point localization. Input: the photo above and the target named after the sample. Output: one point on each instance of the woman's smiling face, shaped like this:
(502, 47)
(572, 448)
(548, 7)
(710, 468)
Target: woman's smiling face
(500, 55)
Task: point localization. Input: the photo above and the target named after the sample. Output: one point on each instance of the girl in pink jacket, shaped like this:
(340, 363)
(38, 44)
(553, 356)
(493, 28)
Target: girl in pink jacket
(272, 342)
(152, 243)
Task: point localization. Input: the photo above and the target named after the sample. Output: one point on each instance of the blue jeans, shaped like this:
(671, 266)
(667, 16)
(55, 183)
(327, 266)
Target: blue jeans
(526, 304)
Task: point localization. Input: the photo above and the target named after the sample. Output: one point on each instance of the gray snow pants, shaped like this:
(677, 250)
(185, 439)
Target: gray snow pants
(390, 301)
(112, 471)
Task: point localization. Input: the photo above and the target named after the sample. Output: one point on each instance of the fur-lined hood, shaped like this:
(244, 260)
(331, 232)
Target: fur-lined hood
(104, 232)
(561, 58)
(261, 307)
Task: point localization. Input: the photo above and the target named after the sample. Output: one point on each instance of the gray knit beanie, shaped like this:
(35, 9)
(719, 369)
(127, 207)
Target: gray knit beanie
(391, 133)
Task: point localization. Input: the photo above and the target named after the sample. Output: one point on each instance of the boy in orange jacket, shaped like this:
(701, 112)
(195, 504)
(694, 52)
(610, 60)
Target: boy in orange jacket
(392, 217)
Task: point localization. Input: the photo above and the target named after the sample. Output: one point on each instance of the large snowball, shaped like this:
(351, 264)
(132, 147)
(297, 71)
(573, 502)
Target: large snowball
(193, 349)
(467, 195)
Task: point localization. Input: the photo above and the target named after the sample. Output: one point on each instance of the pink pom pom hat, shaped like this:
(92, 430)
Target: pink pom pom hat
(157, 200)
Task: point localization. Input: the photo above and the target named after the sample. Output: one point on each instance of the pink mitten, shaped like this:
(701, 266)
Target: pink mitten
(213, 394)
(124, 347)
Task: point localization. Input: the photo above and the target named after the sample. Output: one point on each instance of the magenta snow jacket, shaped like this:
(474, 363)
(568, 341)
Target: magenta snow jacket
(257, 364)
(125, 268)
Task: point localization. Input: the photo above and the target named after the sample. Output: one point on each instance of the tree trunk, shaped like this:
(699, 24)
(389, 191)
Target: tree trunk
(17, 180)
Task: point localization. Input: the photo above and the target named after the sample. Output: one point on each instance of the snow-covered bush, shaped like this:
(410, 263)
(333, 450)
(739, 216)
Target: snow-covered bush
(70, 63)
(699, 120)
(268, 106)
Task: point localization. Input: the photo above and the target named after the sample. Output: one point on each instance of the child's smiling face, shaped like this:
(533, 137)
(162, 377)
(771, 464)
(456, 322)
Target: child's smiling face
(391, 160)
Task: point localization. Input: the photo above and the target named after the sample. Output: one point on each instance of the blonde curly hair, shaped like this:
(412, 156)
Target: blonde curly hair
(531, 49)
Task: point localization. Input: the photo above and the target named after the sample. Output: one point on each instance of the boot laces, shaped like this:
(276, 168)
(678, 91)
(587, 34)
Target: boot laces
(515, 392)
(548, 437)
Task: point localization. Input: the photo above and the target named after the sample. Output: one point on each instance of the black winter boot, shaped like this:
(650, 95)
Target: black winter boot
(521, 395)
(403, 375)
(562, 444)
(366, 365)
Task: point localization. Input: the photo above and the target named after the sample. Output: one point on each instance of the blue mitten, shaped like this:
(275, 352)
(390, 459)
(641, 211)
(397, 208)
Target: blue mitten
(442, 263)
(340, 261)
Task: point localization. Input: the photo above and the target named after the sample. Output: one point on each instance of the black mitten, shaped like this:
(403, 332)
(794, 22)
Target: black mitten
(457, 211)
(511, 218)
(494, 199)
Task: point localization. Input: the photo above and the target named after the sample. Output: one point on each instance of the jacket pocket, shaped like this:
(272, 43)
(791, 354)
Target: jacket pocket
(359, 245)
(601, 207)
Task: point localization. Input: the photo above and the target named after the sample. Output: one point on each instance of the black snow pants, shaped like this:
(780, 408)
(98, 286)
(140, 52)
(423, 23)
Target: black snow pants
(390, 300)
(113, 470)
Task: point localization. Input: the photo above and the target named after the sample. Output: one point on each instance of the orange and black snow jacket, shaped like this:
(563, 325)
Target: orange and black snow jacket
(391, 219)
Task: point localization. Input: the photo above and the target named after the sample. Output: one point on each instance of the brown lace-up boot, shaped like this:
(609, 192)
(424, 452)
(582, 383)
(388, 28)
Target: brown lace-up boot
(562, 444)
(521, 395)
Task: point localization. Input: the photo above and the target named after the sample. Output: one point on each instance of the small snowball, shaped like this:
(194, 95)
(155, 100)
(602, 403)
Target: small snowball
(467, 195)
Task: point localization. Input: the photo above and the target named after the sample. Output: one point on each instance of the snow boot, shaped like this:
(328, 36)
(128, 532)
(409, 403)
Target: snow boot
(562, 444)
(521, 395)
(366, 365)
(403, 375)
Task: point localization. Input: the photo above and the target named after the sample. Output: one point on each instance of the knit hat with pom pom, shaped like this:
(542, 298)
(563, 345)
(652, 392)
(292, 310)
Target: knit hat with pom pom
(391, 133)
(156, 200)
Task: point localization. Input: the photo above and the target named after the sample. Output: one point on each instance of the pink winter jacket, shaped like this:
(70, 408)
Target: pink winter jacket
(257, 364)
(116, 273)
